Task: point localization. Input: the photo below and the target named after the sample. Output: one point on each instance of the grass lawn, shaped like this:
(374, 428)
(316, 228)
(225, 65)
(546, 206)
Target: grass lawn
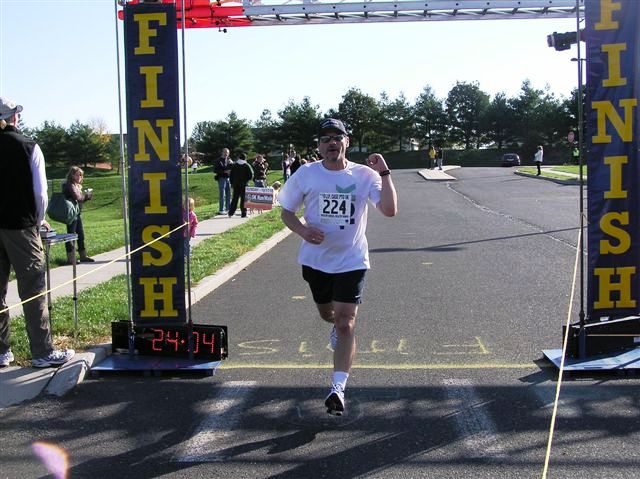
(575, 169)
(548, 173)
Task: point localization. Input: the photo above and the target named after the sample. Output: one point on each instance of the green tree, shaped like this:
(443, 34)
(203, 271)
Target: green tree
(529, 113)
(266, 133)
(113, 150)
(110, 149)
(569, 118)
(497, 121)
(430, 119)
(299, 125)
(84, 145)
(205, 140)
(210, 137)
(552, 122)
(397, 117)
(238, 135)
(466, 104)
(359, 111)
(52, 139)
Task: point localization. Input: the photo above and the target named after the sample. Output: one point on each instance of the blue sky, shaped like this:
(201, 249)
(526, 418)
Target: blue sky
(58, 59)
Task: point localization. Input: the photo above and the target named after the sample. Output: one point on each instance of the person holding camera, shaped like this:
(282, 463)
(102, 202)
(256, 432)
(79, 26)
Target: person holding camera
(73, 191)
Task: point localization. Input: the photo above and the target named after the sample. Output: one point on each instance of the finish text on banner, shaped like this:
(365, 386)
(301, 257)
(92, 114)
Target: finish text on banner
(155, 189)
(613, 132)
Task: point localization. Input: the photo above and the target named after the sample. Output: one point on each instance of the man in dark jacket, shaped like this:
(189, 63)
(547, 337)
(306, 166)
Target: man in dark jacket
(23, 203)
(241, 174)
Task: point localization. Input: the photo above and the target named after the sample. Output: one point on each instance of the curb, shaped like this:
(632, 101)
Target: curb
(72, 373)
(568, 181)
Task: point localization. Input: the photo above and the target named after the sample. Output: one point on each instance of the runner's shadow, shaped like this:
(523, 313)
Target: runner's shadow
(276, 445)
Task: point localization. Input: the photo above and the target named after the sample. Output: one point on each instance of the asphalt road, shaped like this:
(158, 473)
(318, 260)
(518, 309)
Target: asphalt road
(469, 283)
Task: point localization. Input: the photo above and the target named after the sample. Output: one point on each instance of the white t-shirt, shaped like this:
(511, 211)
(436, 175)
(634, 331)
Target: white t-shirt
(335, 202)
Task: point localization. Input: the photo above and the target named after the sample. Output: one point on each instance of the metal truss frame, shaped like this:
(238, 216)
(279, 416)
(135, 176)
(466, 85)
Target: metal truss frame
(245, 13)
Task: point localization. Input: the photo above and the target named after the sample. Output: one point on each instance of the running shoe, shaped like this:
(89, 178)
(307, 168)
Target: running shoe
(335, 401)
(333, 338)
(55, 358)
(6, 358)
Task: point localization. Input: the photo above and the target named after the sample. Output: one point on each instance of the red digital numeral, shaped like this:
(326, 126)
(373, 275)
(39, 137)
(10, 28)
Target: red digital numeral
(156, 343)
(196, 342)
(173, 340)
(211, 342)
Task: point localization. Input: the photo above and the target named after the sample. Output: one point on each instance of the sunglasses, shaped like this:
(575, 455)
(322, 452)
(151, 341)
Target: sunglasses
(328, 138)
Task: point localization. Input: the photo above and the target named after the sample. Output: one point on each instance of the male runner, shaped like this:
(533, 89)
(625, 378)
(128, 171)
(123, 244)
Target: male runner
(334, 253)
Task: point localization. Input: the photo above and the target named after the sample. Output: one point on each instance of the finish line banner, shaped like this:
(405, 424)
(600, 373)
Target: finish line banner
(155, 188)
(613, 133)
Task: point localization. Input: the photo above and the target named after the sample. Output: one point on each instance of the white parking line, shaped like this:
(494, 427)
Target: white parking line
(474, 426)
(210, 437)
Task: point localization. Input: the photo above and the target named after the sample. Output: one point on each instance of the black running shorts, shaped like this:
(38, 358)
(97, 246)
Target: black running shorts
(342, 287)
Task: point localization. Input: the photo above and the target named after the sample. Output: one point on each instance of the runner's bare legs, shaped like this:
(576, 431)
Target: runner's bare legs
(343, 315)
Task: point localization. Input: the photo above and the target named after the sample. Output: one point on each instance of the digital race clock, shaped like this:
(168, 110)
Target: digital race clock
(209, 342)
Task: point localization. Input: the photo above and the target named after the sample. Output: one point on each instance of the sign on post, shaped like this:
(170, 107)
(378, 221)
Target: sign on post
(258, 198)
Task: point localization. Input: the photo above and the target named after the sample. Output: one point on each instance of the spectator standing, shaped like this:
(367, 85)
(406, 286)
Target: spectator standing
(537, 158)
(23, 202)
(241, 174)
(575, 155)
(431, 154)
(439, 157)
(222, 172)
(72, 190)
(334, 252)
(296, 163)
(286, 167)
(192, 219)
(194, 166)
(260, 168)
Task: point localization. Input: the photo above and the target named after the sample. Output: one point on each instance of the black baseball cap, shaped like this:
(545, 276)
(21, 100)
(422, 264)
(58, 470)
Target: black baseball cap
(332, 124)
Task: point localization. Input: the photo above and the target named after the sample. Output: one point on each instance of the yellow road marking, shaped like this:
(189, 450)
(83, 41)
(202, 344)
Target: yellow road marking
(478, 344)
(297, 298)
(375, 348)
(482, 348)
(259, 349)
(402, 346)
(303, 350)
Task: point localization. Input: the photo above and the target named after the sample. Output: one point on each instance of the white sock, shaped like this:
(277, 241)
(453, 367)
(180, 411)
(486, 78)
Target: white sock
(340, 379)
